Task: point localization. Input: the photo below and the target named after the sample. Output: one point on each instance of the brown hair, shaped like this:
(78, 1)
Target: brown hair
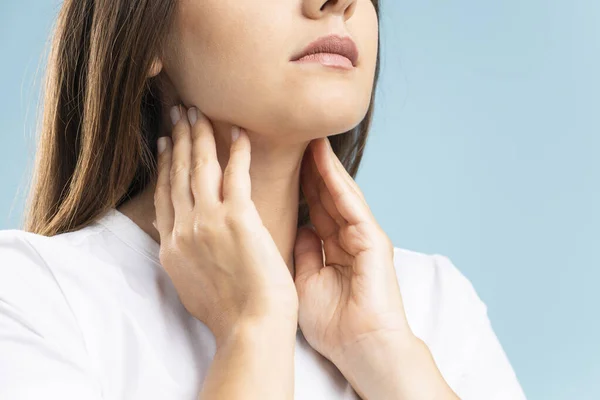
(101, 114)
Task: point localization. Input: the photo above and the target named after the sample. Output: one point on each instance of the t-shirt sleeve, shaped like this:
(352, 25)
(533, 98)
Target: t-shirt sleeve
(486, 372)
(41, 350)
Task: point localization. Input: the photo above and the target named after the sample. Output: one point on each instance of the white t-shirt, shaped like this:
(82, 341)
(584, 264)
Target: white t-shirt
(91, 315)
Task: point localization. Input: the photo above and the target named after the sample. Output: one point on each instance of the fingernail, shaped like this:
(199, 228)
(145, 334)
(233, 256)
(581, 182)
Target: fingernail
(193, 115)
(235, 133)
(175, 114)
(154, 223)
(162, 144)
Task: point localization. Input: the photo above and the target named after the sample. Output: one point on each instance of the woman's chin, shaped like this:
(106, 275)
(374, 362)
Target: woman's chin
(315, 128)
(332, 115)
(301, 122)
(336, 122)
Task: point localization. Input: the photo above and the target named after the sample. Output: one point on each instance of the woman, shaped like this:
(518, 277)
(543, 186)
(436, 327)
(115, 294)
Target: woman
(192, 266)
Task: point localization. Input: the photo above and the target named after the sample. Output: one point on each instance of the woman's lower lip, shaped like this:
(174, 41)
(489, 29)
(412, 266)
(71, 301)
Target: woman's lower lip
(328, 60)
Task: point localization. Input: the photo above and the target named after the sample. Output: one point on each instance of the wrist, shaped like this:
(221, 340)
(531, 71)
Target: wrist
(393, 366)
(378, 345)
(272, 328)
(255, 359)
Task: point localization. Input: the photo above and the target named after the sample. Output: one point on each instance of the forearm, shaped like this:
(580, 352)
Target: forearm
(393, 369)
(254, 362)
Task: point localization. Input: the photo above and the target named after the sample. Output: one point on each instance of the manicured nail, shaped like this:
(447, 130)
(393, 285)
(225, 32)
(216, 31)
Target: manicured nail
(162, 144)
(175, 114)
(235, 133)
(193, 115)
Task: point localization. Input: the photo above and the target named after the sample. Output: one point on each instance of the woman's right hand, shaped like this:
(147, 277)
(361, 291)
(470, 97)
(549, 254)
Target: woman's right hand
(222, 260)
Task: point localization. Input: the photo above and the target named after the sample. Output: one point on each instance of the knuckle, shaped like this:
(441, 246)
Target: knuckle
(232, 219)
(229, 171)
(178, 168)
(180, 131)
(209, 233)
(163, 162)
(160, 194)
(197, 166)
(384, 240)
(200, 163)
(339, 195)
(200, 128)
(202, 229)
(196, 132)
(181, 237)
(239, 218)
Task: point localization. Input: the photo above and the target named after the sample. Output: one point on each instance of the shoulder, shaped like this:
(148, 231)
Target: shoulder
(445, 311)
(441, 305)
(40, 338)
(26, 254)
(440, 302)
(435, 282)
(29, 287)
(21, 258)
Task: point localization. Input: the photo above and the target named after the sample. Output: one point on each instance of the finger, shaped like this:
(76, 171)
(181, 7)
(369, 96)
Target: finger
(183, 200)
(308, 256)
(326, 227)
(320, 218)
(236, 177)
(206, 171)
(347, 202)
(162, 195)
(324, 224)
(343, 172)
(324, 196)
(347, 177)
(328, 203)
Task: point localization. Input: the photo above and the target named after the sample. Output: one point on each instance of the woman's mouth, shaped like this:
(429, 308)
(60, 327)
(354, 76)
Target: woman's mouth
(330, 51)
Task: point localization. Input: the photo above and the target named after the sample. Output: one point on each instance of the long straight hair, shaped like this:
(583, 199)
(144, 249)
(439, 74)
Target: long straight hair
(101, 114)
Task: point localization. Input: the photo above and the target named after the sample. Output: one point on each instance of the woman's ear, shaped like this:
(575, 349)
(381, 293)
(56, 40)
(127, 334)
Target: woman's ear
(155, 68)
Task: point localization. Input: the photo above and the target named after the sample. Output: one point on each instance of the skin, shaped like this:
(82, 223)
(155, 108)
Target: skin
(350, 308)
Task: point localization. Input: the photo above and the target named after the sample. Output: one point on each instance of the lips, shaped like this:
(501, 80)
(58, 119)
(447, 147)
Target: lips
(331, 44)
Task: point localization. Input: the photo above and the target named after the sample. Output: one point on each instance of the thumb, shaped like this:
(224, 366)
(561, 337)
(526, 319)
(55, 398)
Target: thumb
(308, 254)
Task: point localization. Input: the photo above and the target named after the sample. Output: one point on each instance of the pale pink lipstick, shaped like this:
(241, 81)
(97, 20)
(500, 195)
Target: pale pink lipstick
(330, 51)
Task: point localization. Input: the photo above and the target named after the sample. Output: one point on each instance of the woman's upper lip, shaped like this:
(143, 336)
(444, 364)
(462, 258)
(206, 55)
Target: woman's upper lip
(342, 45)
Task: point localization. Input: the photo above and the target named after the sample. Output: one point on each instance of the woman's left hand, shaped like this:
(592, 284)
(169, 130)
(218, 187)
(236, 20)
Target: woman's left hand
(354, 293)
(350, 306)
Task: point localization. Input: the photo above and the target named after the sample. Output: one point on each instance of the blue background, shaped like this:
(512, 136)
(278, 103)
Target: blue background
(485, 148)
